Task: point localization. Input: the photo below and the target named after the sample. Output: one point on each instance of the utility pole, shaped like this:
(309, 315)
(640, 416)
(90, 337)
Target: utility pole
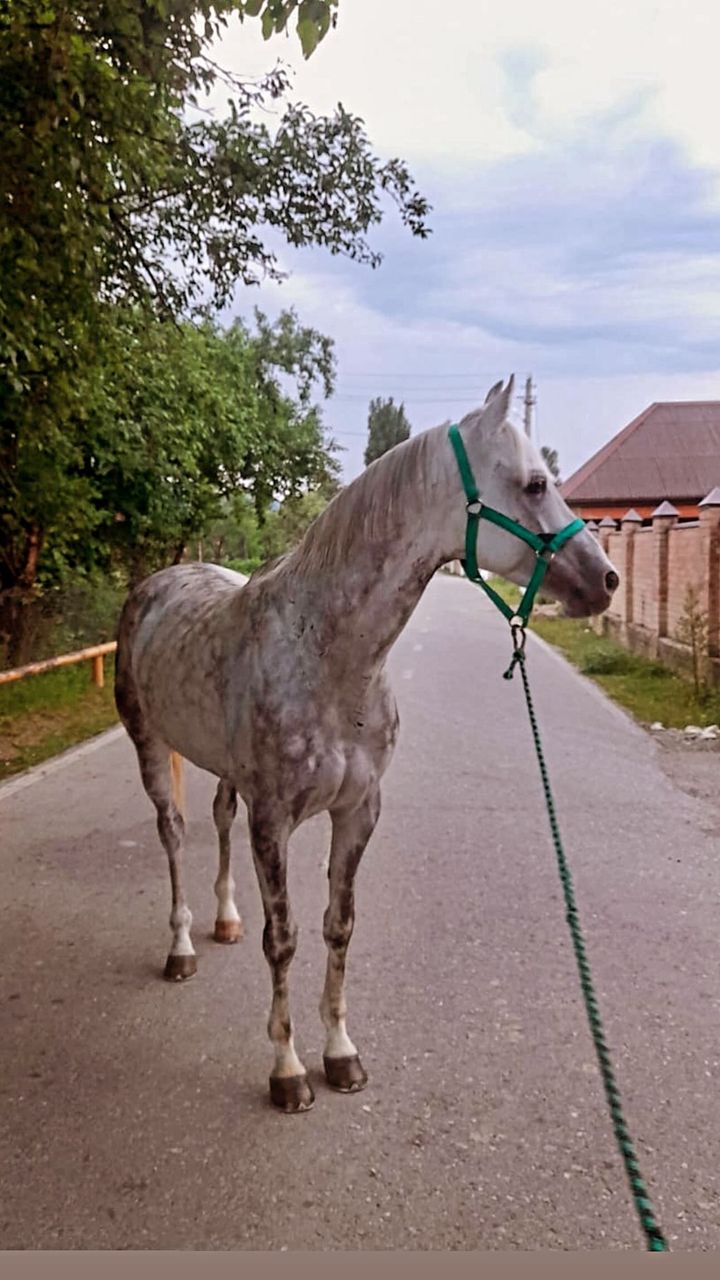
(529, 402)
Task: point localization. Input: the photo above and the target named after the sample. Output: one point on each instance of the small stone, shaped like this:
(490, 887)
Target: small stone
(657, 725)
(712, 731)
(692, 730)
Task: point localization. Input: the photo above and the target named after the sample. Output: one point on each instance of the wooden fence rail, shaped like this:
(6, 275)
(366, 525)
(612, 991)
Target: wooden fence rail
(94, 655)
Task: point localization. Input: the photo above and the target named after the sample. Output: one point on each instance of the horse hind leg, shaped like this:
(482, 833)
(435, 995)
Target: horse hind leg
(161, 773)
(162, 777)
(228, 924)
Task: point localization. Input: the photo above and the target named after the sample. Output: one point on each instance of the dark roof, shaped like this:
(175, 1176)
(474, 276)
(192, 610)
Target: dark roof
(672, 450)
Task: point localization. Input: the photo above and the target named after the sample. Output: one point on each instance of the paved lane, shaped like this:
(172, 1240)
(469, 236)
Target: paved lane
(134, 1112)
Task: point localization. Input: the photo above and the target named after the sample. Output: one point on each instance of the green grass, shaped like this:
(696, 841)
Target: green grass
(43, 715)
(647, 689)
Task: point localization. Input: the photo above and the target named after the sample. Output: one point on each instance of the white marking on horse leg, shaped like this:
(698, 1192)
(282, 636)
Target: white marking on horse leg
(181, 923)
(351, 832)
(228, 925)
(288, 1082)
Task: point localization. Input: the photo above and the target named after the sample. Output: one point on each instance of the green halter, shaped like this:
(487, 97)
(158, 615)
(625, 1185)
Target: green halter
(543, 544)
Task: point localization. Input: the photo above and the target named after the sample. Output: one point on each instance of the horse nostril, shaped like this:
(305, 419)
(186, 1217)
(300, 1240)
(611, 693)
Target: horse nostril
(612, 582)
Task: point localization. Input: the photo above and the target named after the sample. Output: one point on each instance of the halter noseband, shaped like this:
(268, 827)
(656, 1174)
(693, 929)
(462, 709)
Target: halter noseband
(544, 545)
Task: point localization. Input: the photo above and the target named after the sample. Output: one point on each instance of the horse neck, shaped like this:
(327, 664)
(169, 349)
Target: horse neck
(368, 558)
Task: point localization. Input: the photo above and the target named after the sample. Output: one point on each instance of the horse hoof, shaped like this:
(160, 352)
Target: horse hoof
(291, 1094)
(179, 968)
(346, 1074)
(228, 930)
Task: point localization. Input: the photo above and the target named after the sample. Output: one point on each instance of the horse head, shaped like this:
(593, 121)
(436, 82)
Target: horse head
(514, 479)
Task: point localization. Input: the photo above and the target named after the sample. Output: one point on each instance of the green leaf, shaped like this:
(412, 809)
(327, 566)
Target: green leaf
(309, 36)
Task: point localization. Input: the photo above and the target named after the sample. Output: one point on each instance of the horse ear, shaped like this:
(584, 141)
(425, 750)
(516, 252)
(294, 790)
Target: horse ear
(497, 404)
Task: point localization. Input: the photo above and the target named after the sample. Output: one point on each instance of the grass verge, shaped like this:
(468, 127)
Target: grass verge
(43, 715)
(647, 689)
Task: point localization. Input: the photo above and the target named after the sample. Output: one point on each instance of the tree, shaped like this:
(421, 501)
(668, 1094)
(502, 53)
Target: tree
(115, 189)
(692, 630)
(550, 457)
(387, 426)
(108, 181)
(171, 424)
(193, 418)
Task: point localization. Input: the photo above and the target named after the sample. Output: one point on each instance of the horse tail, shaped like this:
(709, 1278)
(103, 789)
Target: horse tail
(178, 781)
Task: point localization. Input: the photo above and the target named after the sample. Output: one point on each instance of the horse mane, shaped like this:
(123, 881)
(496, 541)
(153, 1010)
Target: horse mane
(372, 507)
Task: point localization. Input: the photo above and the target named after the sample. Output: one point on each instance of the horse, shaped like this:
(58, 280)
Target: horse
(277, 686)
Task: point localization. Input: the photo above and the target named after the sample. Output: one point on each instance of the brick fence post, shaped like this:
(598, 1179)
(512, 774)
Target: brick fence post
(664, 518)
(629, 525)
(605, 528)
(710, 526)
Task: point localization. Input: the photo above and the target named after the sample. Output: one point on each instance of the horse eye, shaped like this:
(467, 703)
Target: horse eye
(538, 484)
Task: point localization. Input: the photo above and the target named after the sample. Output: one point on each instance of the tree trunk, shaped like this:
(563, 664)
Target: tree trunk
(16, 599)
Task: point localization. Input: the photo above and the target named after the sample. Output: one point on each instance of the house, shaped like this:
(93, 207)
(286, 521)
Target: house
(671, 452)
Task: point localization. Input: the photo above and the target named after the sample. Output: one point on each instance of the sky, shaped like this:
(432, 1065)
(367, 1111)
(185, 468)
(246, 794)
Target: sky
(571, 155)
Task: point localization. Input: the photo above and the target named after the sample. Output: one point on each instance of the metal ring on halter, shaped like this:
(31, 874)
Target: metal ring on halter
(518, 629)
(474, 508)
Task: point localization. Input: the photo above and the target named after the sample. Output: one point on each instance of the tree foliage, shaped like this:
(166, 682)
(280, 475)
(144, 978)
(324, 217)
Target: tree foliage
(170, 422)
(387, 426)
(109, 179)
(126, 211)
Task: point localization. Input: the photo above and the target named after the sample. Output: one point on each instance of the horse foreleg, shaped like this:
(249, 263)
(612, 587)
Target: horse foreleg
(228, 925)
(350, 835)
(289, 1087)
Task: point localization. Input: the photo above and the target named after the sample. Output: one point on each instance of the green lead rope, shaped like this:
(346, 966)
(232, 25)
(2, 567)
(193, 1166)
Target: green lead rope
(545, 545)
(656, 1242)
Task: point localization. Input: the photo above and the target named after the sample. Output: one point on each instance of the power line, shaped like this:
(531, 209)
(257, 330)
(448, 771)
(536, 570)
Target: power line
(411, 373)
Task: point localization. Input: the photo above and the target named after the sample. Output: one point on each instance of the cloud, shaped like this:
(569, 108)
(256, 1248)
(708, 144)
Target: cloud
(573, 175)
(595, 255)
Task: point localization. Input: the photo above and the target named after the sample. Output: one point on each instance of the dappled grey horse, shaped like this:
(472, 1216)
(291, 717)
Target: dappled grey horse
(277, 686)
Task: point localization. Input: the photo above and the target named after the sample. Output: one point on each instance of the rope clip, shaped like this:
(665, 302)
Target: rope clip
(519, 638)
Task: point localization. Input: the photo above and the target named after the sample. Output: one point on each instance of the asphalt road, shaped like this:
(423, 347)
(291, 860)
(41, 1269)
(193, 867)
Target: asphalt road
(135, 1112)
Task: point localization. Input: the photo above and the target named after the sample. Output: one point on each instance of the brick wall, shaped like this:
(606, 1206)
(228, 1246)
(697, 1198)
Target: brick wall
(644, 601)
(686, 568)
(656, 565)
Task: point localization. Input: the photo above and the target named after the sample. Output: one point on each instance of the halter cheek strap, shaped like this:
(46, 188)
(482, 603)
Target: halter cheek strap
(544, 545)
